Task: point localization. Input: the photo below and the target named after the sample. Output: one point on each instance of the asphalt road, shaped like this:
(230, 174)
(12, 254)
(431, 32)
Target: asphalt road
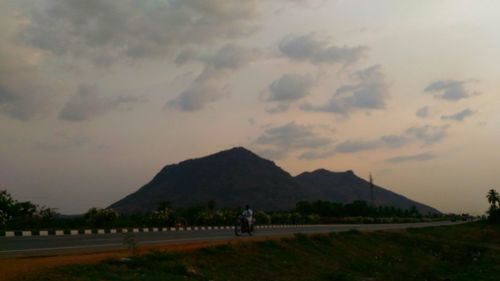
(51, 245)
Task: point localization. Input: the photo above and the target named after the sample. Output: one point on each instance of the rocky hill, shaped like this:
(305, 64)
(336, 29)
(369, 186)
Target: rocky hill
(345, 187)
(237, 176)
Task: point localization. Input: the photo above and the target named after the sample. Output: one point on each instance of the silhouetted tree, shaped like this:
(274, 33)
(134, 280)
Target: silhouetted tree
(164, 205)
(494, 211)
(262, 218)
(163, 216)
(493, 198)
(6, 207)
(98, 217)
(23, 214)
(211, 205)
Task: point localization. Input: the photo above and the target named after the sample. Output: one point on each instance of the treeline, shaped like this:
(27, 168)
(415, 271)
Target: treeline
(326, 209)
(16, 215)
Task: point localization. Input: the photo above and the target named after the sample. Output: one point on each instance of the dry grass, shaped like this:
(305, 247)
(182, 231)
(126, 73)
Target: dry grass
(14, 268)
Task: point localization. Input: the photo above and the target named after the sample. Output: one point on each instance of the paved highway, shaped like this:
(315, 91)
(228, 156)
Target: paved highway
(51, 245)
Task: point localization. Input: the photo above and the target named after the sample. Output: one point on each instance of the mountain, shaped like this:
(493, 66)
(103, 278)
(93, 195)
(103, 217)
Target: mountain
(231, 178)
(237, 176)
(345, 187)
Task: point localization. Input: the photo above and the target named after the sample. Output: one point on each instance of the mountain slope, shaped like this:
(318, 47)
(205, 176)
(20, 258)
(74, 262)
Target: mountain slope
(232, 178)
(237, 177)
(346, 187)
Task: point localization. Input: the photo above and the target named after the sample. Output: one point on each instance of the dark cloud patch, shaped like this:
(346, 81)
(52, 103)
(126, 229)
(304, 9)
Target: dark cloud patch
(187, 55)
(279, 141)
(353, 146)
(423, 112)
(425, 134)
(459, 116)
(197, 96)
(111, 29)
(25, 92)
(223, 61)
(428, 134)
(24, 99)
(426, 156)
(290, 87)
(317, 154)
(280, 108)
(287, 89)
(451, 90)
(369, 92)
(309, 48)
(89, 102)
(207, 87)
(394, 141)
(231, 56)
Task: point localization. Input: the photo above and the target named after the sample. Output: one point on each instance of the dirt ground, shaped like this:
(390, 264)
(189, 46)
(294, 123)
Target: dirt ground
(14, 268)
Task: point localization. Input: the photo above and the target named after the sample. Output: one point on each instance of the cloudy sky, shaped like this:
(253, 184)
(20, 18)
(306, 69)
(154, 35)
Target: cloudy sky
(97, 96)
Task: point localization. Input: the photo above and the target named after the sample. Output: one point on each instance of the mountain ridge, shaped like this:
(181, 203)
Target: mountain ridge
(237, 176)
(339, 186)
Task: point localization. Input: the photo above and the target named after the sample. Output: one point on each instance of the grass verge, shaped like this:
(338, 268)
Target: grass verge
(461, 252)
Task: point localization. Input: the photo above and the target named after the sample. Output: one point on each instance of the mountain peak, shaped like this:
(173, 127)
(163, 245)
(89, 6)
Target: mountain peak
(237, 176)
(325, 172)
(237, 153)
(232, 178)
(236, 150)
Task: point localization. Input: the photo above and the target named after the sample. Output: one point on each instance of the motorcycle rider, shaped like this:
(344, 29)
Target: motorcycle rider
(248, 216)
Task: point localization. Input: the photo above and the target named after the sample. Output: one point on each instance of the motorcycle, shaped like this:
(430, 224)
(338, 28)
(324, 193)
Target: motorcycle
(242, 226)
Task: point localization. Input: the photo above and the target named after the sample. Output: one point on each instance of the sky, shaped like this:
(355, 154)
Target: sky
(97, 96)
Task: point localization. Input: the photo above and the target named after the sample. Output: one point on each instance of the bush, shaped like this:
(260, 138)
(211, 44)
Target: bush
(97, 217)
(494, 216)
(262, 218)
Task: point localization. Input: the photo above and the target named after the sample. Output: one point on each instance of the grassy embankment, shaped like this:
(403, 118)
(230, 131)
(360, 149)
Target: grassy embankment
(462, 252)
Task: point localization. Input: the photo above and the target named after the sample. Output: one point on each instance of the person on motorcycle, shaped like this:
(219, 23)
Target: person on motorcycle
(248, 216)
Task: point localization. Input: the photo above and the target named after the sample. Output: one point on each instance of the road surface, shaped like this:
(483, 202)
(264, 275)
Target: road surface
(52, 245)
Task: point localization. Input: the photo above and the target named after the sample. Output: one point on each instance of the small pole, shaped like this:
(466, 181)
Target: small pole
(372, 201)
